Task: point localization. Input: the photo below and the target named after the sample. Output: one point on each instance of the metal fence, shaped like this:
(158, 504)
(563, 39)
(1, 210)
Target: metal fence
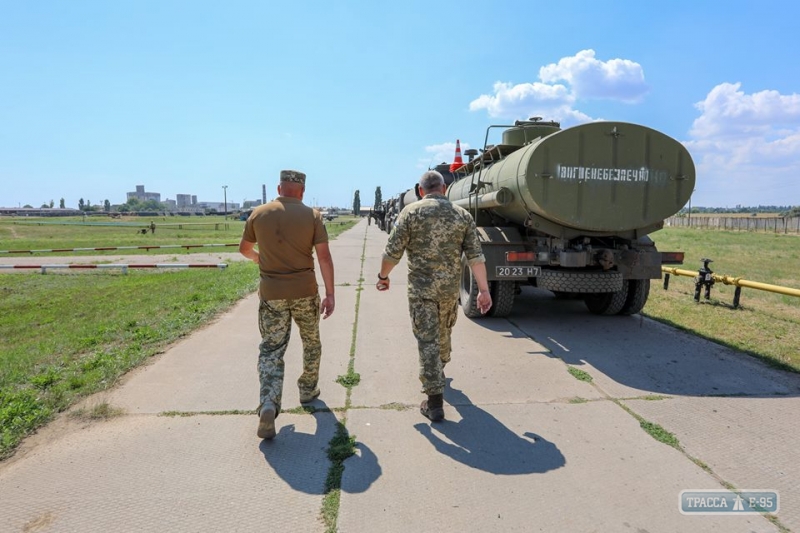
(754, 224)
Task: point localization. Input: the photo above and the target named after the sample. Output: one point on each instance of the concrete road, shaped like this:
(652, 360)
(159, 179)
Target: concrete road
(525, 447)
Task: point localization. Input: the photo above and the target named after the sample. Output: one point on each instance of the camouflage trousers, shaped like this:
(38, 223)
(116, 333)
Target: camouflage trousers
(432, 322)
(275, 323)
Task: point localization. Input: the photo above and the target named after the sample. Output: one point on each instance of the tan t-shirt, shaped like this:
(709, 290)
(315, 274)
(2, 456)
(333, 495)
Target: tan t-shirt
(286, 232)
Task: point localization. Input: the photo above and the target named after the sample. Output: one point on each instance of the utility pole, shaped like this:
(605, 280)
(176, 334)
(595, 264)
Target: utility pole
(225, 192)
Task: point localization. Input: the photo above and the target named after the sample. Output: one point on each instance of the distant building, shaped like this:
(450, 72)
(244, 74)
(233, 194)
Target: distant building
(140, 194)
(185, 200)
(249, 204)
(171, 204)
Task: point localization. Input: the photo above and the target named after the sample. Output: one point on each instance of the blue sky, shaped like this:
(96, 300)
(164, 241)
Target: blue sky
(187, 96)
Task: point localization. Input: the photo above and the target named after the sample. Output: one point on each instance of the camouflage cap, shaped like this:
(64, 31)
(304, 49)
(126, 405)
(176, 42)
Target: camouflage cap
(293, 176)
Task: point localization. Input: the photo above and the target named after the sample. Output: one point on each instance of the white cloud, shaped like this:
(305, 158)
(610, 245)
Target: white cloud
(616, 79)
(747, 147)
(729, 112)
(515, 100)
(585, 77)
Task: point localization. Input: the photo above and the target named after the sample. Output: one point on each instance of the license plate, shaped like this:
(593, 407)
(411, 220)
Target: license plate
(517, 271)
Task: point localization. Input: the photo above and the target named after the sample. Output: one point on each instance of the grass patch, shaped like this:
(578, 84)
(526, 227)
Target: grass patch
(184, 414)
(396, 406)
(579, 374)
(652, 429)
(341, 446)
(767, 325)
(102, 411)
(659, 433)
(307, 410)
(349, 380)
(702, 465)
(31, 233)
(578, 399)
(649, 397)
(68, 335)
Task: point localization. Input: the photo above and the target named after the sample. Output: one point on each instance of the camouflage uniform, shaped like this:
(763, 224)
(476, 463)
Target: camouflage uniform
(435, 233)
(275, 323)
(288, 290)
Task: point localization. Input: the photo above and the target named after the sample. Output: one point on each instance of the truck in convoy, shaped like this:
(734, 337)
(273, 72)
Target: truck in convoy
(571, 211)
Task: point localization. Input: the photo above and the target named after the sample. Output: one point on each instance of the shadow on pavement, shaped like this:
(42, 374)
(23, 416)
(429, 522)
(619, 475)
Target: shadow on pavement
(637, 352)
(480, 441)
(301, 459)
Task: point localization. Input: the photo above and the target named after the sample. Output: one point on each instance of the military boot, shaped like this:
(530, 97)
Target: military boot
(433, 407)
(266, 422)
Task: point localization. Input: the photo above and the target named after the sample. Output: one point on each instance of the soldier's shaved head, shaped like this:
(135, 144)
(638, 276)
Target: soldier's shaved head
(431, 181)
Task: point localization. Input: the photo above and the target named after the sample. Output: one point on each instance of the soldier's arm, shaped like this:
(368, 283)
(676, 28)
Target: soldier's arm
(398, 241)
(247, 249)
(326, 269)
(484, 297)
(477, 263)
(470, 244)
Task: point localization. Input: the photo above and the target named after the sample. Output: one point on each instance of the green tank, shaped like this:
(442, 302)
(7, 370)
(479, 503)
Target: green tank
(570, 211)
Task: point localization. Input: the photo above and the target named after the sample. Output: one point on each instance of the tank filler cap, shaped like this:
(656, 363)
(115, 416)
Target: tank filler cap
(536, 121)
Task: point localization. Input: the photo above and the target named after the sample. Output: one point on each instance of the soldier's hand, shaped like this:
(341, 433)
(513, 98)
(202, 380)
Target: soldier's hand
(484, 302)
(326, 307)
(382, 285)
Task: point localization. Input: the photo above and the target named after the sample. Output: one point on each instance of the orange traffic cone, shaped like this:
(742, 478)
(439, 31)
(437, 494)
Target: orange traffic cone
(457, 162)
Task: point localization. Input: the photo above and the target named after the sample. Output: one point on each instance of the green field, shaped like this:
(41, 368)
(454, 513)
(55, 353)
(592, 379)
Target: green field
(766, 325)
(68, 334)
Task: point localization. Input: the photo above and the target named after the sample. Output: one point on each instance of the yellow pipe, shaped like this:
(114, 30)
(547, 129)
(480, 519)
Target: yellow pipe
(738, 282)
(679, 272)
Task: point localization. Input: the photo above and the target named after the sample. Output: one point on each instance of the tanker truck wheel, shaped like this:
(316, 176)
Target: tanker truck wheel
(503, 293)
(638, 291)
(607, 303)
(581, 282)
(468, 292)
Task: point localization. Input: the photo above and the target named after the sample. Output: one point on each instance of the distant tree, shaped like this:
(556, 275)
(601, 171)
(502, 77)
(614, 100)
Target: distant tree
(52, 204)
(88, 205)
(81, 204)
(61, 204)
(357, 203)
(28, 206)
(152, 205)
(107, 205)
(46, 206)
(378, 198)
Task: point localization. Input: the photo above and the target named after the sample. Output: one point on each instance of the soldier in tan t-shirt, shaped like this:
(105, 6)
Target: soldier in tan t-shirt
(287, 233)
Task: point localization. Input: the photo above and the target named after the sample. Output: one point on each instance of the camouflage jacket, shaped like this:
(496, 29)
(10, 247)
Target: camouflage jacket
(435, 233)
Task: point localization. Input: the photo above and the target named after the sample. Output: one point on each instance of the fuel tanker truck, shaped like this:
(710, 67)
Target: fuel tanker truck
(570, 211)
